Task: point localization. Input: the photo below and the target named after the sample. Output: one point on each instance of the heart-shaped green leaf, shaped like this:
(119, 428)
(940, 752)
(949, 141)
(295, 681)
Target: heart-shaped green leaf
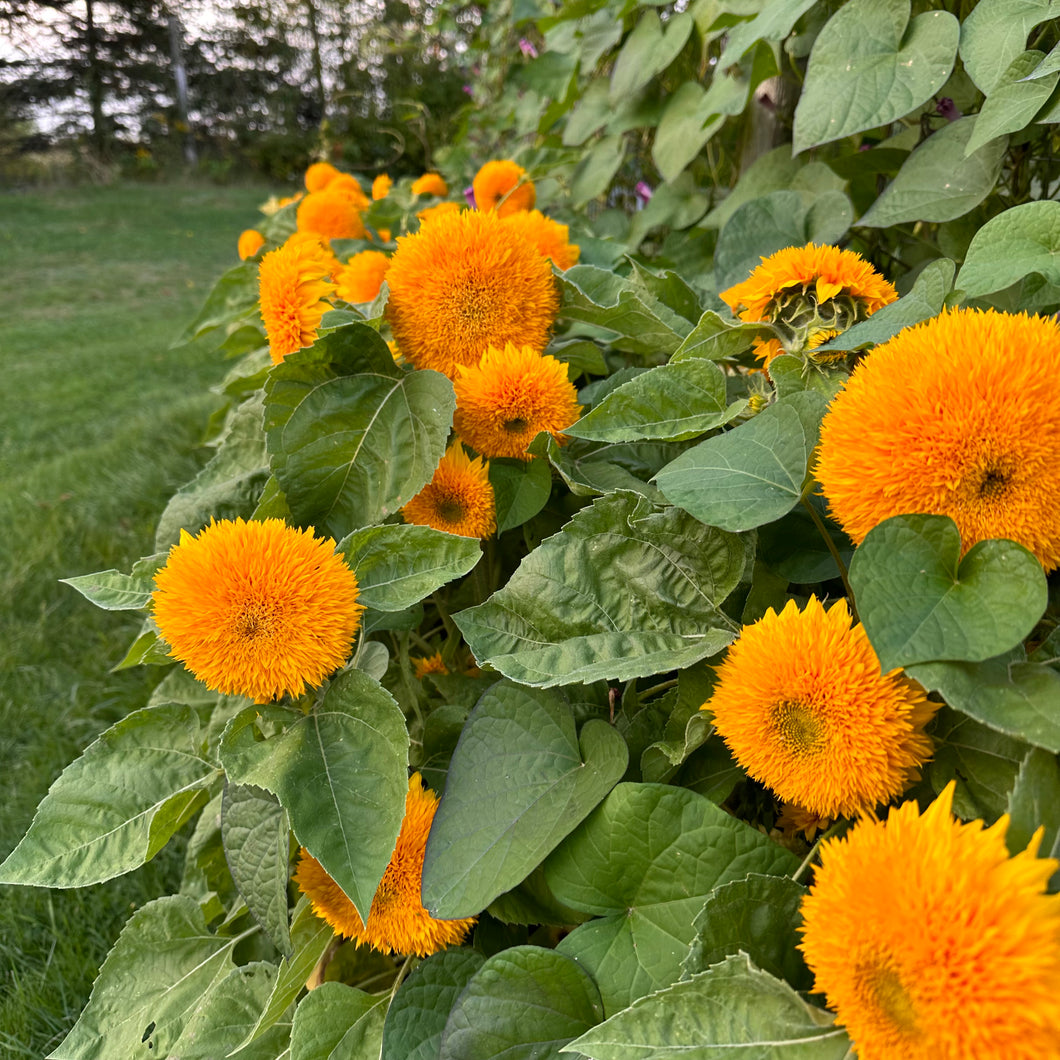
(995, 32)
(337, 1021)
(871, 65)
(520, 755)
(919, 601)
(1012, 245)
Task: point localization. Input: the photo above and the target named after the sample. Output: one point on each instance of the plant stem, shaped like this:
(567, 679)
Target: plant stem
(830, 544)
(813, 850)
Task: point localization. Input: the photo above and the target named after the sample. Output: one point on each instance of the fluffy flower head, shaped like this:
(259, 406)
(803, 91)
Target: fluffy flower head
(501, 185)
(465, 281)
(319, 175)
(509, 397)
(430, 184)
(257, 609)
(931, 943)
(956, 416)
(550, 237)
(428, 664)
(804, 291)
(397, 920)
(291, 293)
(381, 186)
(331, 214)
(361, 278)
(458, 499)
(802, 704)
(349, 187)
(441, 209)
(250, 242)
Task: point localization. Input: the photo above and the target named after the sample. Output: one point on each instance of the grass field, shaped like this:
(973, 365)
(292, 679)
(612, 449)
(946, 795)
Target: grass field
(99, 423)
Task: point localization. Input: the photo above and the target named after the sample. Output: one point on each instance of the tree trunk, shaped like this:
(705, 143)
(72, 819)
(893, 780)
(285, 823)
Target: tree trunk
(95, 85)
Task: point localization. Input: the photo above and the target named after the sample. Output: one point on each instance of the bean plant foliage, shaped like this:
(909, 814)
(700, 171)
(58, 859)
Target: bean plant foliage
(637, 887)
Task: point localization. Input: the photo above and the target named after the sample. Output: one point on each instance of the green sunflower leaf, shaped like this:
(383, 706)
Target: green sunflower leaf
(336, 1020)
(521, 488)
(871, 65)
(418, 1014)
(1014, 244)
(750, 475)
(520, 754)
(645, 862)
(622, 591)
(340, 772)
(995, 33)
(119, 803)
(523, 1003)
(1014, 100)
(920, 601)
(1034, 803)
(732, 1010)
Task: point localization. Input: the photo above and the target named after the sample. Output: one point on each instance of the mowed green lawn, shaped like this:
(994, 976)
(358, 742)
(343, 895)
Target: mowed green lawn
(100, 421)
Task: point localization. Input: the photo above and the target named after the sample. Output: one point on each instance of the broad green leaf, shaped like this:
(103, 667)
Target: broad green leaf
(590, 113)
(114, 591)
(687, 123)
(164, 962)
(937, 182)
(147, 650)
(1049, 65)
(622, 591)
(337, 1022)
(524, 1003)
(1034, 803)
(340, 772)
(310, 938)
(925, 300)
(871, 65)
(773, 21)
(641, 323)
(119, 803)
(672, 402)
(644, 862)
(398, 565)
(232, 298)
(647, 51)
(592, 468)
(1013, 102)
(995, 32)
(669, 288)
(418, 1014)
(1014, 244)
(982, 762)
(532, 903)
(257, 841)
(919, 600)
(349, 450)
(228, 487)
(773, 171)
(733, 1010)
(752, 474)
(757, 916)
(772, 222)
(521, 488)
(597, 169)
(519, 754)
(1007, 693)
(716, 339)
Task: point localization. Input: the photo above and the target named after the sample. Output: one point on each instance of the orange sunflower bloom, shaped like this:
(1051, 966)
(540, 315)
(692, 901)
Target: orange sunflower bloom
(550, 237)
(430, 184)
(509, 397)
(442, 209)
(428, 664)
(802, 704)
(381, 186)
(458, 499)
(331, 214)
(931, 943)
(464, 282)
(250, 242)
(319, 175)
(291, 293)
(397, 920)
(348, 186)
(501, 185)
(804, 291)
(956, 416)
(361, 278)
(257, 609)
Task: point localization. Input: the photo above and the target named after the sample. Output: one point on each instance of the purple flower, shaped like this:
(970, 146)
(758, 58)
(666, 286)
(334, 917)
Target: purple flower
(947, 108)
(643, 192)
(469, 194)
(468, 89)
(527, 48)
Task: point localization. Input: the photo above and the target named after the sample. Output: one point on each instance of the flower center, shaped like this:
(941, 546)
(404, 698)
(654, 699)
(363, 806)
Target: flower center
(797, 727)
(516, 425)
(451, 509)
(253, 621)
(993, 483)
(886, 992)
(476, 303)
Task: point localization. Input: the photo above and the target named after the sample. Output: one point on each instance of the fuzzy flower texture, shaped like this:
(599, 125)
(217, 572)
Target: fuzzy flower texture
(397, 920)
(258, 609)
(931, 943)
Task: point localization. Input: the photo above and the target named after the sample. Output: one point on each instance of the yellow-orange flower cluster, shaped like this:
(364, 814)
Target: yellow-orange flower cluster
(428, 664)
(257, 609)
(501, 185)
(802, 704)
(509, 397)
(550, 237)
(806, 291)
(956, 416)
(430, 184)
(319, 175)
(331, 214)
(250, 242)
(931, 943)
(465, 281)
(458, 499)
(397, 920)
(381, 186)
(361, 278)
(291, 293)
